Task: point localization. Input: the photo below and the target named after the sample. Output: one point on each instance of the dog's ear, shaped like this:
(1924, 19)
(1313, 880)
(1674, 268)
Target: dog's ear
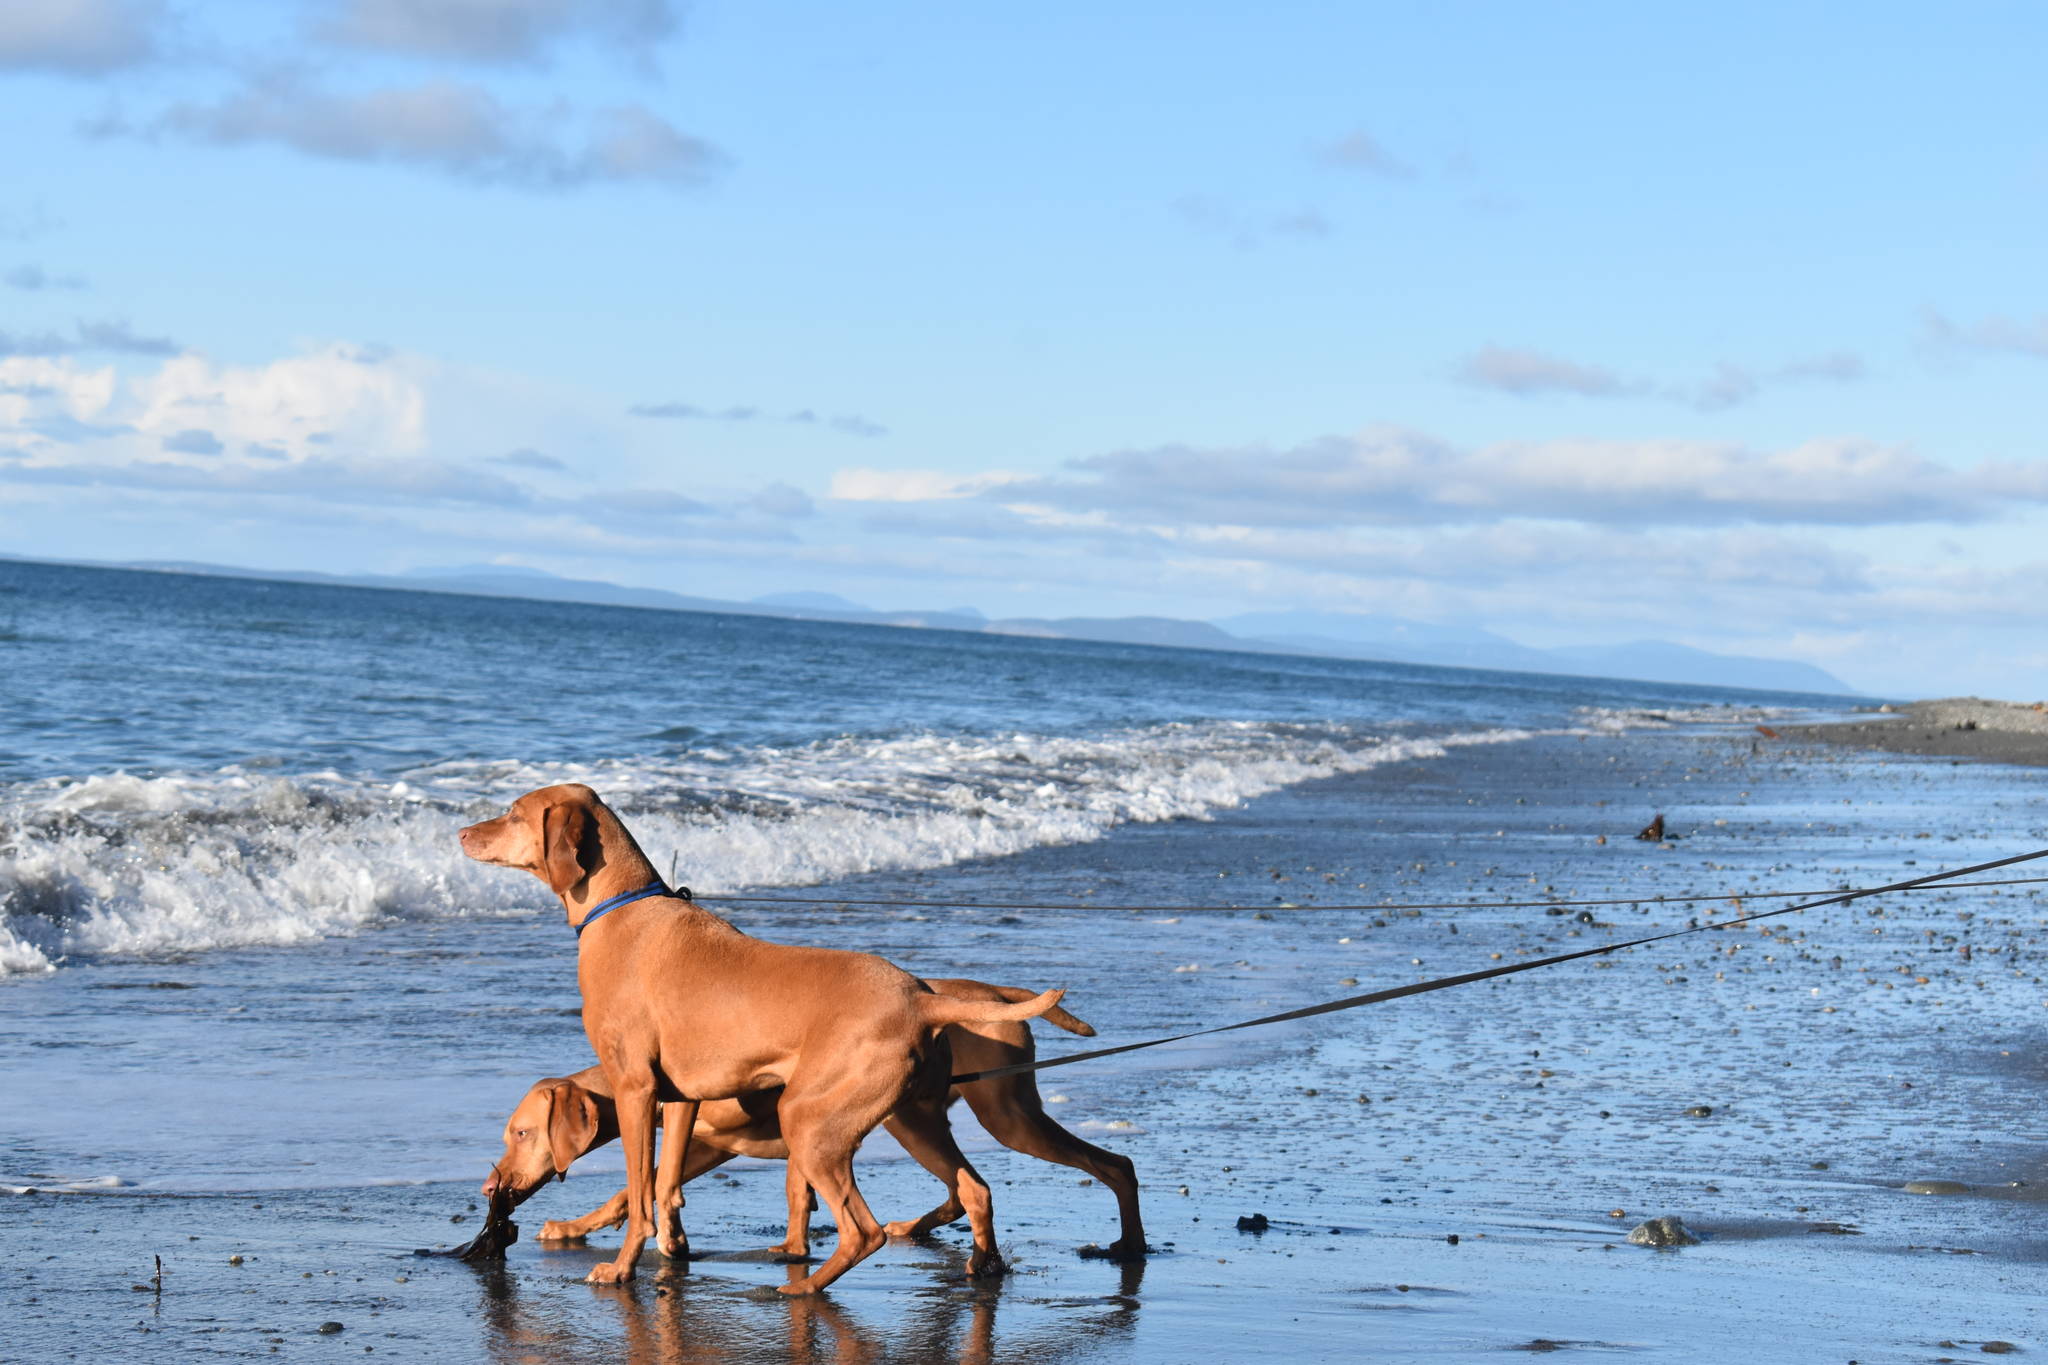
(572, 1125)
(562, 828)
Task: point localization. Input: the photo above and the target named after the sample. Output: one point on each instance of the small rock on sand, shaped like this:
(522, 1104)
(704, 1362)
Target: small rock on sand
(1662, 1232)
(1255, 1222)
(1936, 1187)
(330, 1328)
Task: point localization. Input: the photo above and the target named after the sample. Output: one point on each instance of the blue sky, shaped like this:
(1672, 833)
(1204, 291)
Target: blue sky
(1580, 322)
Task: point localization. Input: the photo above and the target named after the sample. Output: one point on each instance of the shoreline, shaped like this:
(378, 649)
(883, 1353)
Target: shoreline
(1953, 727)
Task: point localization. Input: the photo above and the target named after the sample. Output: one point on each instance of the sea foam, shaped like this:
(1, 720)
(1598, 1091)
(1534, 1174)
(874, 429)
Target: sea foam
(118, 864)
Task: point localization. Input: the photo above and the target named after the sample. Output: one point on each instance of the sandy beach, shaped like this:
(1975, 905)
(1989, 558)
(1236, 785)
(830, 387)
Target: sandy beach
(1448, 1177)
(1954, 727)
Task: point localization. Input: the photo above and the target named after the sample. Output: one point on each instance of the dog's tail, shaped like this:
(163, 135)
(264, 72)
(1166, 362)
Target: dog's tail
(943, 1010)
(1057, 1016)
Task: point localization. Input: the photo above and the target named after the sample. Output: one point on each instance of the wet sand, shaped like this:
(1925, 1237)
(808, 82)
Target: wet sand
(1838, 1055)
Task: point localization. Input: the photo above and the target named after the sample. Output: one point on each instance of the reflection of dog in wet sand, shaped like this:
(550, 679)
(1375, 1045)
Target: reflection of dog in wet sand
(562, 1118)
(695, 1321)
(681, 1008)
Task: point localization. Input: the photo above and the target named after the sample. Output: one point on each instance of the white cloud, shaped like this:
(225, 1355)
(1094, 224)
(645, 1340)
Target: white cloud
(452, 127)
(118, 336)
(846, 423)
(319, 103)
(1732, 384)
(35, 279)
(32, 388)
(526, 457)
(1527, 373)
(86, 336)
(491, 31)
(779, 499)
(1359, 150)
(361, 480)
(78, 37)
(1512, 370)
(329, 397)
(1245, 228)
(303, 438)
(1992, 333)
(1389, 476)
(912, 485)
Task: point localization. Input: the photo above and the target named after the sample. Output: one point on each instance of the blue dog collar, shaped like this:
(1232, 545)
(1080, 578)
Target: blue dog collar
(653, 888)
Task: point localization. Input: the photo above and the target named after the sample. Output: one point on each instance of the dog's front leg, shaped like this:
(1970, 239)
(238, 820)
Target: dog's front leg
(634, 1094)
(678, 1120)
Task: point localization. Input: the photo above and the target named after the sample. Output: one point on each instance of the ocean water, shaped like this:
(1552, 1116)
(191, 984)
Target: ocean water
(193, 763)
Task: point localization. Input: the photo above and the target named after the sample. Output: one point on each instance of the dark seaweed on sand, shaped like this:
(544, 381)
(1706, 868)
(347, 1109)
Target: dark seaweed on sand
(497, 1233)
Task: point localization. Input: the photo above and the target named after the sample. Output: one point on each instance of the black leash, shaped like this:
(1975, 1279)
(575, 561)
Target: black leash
(1376, 906)
(1443, 983)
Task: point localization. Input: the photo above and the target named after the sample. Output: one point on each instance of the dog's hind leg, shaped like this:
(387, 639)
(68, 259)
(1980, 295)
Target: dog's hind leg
(920, 1125)
(797, 1245)
(1018, 1122)
(822, 1126)
(827, 1164)
(949, 1211)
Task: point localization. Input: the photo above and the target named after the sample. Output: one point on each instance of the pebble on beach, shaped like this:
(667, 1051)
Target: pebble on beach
(1936, 1187)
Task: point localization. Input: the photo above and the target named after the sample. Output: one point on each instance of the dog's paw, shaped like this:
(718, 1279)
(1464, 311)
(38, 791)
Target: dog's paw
(552, 1231)
(903, 1227)
(676, 1249)
(986, 1265)
(609, 1272)
(1121, 1251)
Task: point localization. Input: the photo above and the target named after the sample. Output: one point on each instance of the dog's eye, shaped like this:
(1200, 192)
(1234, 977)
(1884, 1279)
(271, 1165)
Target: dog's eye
(522, 1134)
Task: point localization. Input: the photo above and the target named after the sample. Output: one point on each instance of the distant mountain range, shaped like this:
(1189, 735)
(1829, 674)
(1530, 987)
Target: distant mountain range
(1331, 634)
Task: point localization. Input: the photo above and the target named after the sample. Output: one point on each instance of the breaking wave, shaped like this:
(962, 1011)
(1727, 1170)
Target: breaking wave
(118, 864)
(1619, 719)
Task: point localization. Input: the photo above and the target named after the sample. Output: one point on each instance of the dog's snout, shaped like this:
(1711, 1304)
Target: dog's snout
(490, 1185)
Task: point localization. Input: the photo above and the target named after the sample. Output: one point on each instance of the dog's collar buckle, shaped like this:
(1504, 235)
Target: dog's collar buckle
(653, 888)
